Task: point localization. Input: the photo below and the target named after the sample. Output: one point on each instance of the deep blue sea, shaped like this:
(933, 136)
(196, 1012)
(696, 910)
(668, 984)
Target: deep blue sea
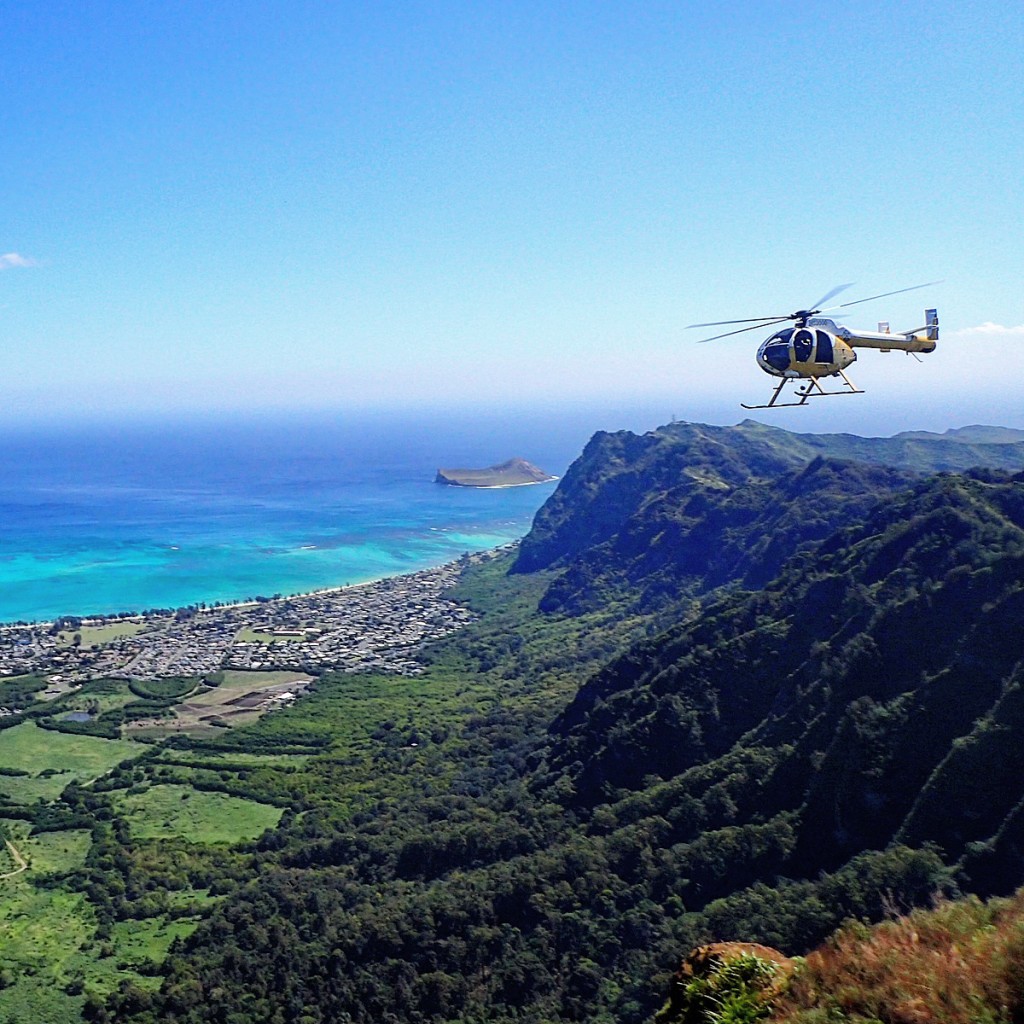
(101, 518)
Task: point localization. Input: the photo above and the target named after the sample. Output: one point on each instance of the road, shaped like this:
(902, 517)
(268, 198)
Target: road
(18, 859)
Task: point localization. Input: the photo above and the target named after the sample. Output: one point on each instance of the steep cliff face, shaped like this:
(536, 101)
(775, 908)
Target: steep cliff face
(691, 539)
(619, 474)
(883, 671)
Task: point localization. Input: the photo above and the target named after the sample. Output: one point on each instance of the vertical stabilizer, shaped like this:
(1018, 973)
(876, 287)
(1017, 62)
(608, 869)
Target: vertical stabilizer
(931, 319)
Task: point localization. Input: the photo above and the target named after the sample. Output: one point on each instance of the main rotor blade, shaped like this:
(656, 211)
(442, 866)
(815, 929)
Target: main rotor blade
(899, 291)
(722, 323)
(729, 334)
(828, 295)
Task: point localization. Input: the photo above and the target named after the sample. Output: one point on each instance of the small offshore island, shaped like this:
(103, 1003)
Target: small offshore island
(514, 472)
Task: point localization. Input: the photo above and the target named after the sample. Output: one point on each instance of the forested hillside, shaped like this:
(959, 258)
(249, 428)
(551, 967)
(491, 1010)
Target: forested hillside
(882, 670)
(739, 685)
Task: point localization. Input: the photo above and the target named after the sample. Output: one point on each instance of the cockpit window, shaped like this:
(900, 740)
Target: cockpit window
(824, 353)
(803, 345)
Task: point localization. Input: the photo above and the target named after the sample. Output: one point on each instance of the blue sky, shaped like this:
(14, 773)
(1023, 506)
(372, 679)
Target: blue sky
(333, 205)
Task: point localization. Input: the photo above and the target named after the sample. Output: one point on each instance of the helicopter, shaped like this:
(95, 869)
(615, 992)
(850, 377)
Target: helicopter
(817, 347)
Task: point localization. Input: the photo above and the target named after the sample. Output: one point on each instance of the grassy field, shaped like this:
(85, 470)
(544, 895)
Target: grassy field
(98, 636)
(8, 862)
(29, 748)
(49, 851)
(24, 790)
(44, 930)
(224, 694)
(141, 943)
(216, 759)
(168, 811)
(239, 679)
(224, 703)
(49, 952)
(101, 695)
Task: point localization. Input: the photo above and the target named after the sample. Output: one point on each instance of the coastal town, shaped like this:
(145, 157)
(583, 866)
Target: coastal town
(369, 627)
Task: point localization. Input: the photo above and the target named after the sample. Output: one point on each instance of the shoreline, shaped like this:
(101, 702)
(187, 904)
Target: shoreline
(201, 607)
(373, 625)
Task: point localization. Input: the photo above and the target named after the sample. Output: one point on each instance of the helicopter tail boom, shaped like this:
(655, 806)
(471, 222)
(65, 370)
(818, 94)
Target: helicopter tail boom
(913, 342)
(920, 339)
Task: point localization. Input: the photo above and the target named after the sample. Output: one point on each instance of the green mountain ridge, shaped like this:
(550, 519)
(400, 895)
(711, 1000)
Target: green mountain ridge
(975, 433)
(618, 474)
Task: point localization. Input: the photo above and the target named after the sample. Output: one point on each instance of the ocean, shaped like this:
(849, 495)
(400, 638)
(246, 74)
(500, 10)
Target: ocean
(129, 516)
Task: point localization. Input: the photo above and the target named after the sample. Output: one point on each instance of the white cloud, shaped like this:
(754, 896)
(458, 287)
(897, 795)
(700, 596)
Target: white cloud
(989, 330)
(15, 259)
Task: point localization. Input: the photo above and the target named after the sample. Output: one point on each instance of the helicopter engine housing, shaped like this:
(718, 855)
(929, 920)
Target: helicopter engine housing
(804, 352)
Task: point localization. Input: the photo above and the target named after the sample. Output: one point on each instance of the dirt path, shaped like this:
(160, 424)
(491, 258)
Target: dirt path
(18, 859)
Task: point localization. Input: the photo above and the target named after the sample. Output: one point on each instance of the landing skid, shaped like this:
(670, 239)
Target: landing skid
(812, 389)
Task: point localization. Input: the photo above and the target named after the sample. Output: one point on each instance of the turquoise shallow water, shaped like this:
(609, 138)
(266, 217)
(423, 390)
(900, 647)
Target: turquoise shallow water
(100, 519)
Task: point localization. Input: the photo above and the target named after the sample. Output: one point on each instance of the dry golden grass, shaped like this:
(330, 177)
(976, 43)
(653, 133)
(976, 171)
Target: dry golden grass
(962, 963)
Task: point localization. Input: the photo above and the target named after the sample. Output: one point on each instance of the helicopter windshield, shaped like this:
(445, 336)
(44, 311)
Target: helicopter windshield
(775, 351)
